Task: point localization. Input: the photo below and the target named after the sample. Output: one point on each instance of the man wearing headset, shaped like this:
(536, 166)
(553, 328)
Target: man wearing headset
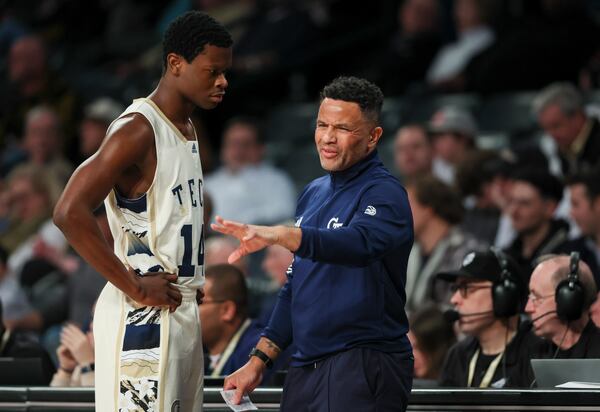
(562, 289)
(489, 291)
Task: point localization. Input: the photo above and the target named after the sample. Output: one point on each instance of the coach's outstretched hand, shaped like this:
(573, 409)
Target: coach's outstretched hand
(245, 379)
(254, 238)
(157, 289)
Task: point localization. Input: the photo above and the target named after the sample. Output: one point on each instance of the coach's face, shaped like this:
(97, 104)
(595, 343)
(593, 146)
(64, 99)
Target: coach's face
(344, 136)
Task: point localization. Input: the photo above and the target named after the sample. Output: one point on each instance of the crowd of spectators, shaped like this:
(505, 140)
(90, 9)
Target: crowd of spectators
(65, 79)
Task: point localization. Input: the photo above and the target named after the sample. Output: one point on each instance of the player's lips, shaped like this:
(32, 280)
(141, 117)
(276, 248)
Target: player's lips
(328, 153)
(217, 96)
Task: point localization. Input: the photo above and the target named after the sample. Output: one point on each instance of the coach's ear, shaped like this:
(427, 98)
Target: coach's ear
(374, 137)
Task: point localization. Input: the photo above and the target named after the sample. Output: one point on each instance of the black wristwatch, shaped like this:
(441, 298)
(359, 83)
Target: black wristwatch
(262, 356)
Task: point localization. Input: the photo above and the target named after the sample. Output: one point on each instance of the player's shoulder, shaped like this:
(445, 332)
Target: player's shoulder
(132, 126)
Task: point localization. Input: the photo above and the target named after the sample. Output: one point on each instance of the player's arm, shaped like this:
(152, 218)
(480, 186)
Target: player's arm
(128, 145)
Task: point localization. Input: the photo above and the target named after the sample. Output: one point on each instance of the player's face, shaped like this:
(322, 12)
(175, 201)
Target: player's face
(343, 135)
(203, 80)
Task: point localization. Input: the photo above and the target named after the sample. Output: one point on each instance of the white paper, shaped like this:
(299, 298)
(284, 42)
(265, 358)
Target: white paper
(579, 385)
(245, 405)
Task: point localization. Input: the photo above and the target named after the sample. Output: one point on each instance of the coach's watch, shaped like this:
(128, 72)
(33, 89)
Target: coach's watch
(262, 356)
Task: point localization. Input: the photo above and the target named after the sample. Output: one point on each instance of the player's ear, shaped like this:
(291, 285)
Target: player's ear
(174, 63)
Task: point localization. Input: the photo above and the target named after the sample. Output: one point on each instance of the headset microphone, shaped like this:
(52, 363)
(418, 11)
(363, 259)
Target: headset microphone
(452, 315)
(527, 324)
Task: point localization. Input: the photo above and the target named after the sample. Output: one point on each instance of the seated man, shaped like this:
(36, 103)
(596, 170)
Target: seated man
(228, 334)
(574, 338)
(489, 291)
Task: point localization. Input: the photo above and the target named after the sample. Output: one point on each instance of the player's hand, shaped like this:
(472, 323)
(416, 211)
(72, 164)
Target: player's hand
(66, 361)
(245, 379)
(78, 344)
(158, 289)
(252, 237)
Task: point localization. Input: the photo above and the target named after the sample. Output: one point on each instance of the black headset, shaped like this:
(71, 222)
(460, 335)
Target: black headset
(506, 292)
(570, 295)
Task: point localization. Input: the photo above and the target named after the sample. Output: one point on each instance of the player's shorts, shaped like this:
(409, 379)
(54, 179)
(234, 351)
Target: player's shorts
(147, 359)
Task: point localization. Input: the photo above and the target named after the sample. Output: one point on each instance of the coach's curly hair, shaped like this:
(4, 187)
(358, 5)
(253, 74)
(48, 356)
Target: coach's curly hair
(189, 33)
(352, 89)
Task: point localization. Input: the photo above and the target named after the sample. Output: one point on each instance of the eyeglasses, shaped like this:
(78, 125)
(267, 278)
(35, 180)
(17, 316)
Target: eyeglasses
(464, 287)
(537, 300)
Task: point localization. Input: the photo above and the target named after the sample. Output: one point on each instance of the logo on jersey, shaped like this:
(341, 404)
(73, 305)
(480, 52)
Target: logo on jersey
(194, 150)
(370, 210)
(333, 223)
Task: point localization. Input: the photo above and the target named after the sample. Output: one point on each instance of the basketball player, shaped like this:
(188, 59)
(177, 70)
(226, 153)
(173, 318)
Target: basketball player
(148, 173)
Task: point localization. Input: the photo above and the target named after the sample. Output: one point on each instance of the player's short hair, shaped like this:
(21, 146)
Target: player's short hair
(360, 91)
(189, 33)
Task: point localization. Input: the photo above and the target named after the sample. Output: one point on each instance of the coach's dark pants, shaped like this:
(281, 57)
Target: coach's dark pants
(359, 379)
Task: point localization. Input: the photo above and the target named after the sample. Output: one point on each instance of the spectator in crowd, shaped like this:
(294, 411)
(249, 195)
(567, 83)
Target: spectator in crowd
(98, 115)
(75, 358)
(496, 352)
(216, 251)
(42, 145)
(479, 182)
(246, 188)
(560, 111)
(275, 264)
(431, 335)
(228, 334)
(413, 153)
(535, 194)
(413, 46)
(13, 298)
(595, 310)
(472, 20)
(21, 344)
(440, 243)
(578, 338)
(584, 190)
(32, 83)
(453, 131)
(31, 194)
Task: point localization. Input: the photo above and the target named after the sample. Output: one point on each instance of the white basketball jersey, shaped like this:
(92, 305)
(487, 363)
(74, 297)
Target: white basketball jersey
(163, 229)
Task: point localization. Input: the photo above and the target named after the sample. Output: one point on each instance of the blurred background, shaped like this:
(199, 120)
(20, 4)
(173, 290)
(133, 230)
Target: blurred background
(476, 91)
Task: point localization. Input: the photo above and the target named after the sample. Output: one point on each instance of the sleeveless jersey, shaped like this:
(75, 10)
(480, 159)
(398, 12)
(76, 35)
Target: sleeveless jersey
(163, 229)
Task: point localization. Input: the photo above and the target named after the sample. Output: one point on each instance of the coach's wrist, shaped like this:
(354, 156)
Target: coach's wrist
(257, 364)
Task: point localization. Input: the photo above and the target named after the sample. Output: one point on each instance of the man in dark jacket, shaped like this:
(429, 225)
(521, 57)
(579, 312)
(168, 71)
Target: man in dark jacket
(228, 334)
(344, 299)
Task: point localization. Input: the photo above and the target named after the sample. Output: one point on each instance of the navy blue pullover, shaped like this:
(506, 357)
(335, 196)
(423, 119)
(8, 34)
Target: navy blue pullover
(346, 285)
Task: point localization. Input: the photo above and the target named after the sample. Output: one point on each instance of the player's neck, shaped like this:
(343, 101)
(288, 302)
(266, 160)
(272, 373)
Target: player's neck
(177, 109)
